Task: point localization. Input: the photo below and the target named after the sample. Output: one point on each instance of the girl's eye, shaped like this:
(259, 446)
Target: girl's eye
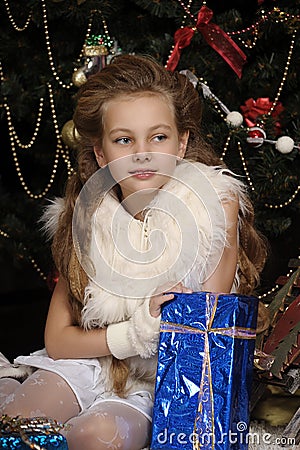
(160, 137)
(123, 140)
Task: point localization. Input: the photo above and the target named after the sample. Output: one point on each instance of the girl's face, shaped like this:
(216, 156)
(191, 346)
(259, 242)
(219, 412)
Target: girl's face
(140, 142)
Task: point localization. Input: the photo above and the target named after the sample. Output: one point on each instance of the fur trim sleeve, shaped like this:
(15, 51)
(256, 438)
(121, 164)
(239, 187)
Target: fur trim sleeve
(118, 341)
(50, 216)
(144, 331)
(137, 336)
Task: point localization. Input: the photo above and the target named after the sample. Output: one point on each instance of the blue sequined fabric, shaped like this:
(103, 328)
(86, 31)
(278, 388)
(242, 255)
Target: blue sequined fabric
(45, 441)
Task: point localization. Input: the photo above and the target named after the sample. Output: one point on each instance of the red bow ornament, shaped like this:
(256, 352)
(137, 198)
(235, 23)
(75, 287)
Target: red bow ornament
(214, 36)
(252, 109)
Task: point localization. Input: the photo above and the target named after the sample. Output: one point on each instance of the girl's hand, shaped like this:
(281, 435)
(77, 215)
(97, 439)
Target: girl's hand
(157, 300)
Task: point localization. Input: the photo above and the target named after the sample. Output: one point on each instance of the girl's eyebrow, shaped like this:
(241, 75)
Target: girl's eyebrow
(151, 129)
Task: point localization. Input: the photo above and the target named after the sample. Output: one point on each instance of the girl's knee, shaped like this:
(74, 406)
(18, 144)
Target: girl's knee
(96, 432)
(43, 394)
(7, 388)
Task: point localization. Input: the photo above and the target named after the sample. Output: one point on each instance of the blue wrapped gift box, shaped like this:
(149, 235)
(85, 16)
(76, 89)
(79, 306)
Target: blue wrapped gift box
(204, 372)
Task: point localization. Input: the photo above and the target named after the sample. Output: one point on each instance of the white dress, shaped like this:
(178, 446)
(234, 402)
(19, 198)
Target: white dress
(83, 375)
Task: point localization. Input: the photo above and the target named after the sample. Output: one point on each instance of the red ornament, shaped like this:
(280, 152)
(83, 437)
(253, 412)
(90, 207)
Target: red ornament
(252, 110)
(256, 137)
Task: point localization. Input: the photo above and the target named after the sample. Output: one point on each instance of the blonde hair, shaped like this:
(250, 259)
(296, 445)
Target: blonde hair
(132, 75)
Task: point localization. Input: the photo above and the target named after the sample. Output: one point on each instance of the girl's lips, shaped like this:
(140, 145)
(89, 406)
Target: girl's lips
(142, 174)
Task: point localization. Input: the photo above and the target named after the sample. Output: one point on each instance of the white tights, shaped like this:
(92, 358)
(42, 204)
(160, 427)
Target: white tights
(107, 425)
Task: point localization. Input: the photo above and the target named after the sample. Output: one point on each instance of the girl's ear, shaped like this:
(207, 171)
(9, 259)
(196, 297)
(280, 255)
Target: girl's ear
(183, 140)
(99, 156)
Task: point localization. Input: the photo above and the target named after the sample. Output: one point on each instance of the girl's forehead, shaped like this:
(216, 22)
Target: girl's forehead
(136, 102)
(131, 97)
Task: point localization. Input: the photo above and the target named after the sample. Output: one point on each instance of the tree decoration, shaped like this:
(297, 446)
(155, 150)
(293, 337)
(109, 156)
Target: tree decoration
(254, 109)
(191, 77)
(234, 119)
(207, 93)
(79, 77)
(214, 36)
(95, 52)
(256, 137)
(98, 52)
(69, 134)
(282, 338)
(284, 144)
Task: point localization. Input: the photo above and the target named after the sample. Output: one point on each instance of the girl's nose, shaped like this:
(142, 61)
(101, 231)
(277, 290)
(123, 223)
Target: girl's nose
(141, 157)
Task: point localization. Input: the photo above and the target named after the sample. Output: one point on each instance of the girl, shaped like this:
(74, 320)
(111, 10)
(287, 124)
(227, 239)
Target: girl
(161, 215)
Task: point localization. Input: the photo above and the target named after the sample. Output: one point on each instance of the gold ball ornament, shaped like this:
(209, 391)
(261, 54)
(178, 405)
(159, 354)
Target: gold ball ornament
(70, 135)
(79, 77)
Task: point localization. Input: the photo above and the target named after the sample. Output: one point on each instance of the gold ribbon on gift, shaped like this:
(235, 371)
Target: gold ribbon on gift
(206, 388)
(23, 426)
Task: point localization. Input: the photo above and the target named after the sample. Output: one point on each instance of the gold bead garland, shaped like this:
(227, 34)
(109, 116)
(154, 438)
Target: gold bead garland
(21, 178)
(285, 72)
(245, 167)
(12, 131)
(244, 164)
(254, 29)
(276, 287)
(31, 259)
(49, 51)
(187, 9)
(59, 151)
(216, 105)
(286, 203)
(64, 151)
(47, 38)
(12, 21)
(15, 140)
(225, 147)
(274, 104)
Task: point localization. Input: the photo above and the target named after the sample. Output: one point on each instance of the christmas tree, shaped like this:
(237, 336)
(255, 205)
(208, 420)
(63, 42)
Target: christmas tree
(243, 59)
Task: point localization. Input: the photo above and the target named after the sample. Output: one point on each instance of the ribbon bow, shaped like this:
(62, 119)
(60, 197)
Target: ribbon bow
(253, 109)
(214, 36)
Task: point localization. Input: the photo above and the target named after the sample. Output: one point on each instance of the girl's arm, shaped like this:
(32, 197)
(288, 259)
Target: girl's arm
(222, 278)
(65, 340)
(137, 336)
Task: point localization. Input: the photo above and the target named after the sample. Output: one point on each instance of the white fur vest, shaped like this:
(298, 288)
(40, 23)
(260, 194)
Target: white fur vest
(181, 238)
